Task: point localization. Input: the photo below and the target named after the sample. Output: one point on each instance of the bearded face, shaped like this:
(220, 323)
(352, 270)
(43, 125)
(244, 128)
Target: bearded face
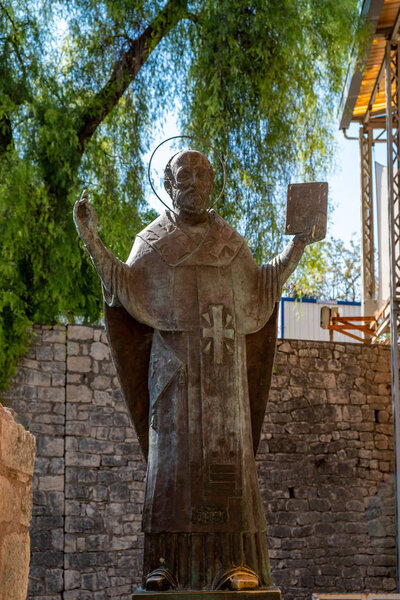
(191, 183)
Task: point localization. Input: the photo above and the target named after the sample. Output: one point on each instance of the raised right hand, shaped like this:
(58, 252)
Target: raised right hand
(85, 216)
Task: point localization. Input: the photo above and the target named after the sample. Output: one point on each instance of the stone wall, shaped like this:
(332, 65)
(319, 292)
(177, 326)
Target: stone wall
(17, 455)
(325, 467)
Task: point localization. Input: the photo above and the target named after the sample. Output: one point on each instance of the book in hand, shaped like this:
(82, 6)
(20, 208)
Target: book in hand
(307, 208)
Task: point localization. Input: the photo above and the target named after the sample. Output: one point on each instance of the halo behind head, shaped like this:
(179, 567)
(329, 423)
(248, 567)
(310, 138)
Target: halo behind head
(168, 176)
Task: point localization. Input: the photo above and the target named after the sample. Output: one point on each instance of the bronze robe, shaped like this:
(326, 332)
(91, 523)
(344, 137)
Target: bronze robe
(201, 298)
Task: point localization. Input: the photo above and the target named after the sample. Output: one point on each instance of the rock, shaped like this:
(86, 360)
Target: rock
(14, 566)
(17, 446)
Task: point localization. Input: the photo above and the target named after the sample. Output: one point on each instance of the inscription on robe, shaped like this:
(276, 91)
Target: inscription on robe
(209, 514)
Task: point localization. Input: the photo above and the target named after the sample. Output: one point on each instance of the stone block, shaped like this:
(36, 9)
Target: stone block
(79, 393)
(338, 396)
(123, 543)
(101, 382)
(80, 332)
(50, 418)
(50, 446)
(56, 466)
(84, 349)
(51, 394)
(14, 566)
(352, 413)
(93, 446)
(71, 443)
(44, 353)
(107, 368)
(384, 389)
(54, 366)
(31, 377)
(118, 435)
(285, 347)
(70, 546)
(89, 581)
(54, 335)
(101, 416)
(81, 364)
(54, 579)
(57, 539)
(48, 559)
(49, 483)
(79, 459)
(73, 348)
(72, 579)
(77, 428)
(99, 351)
(60, 352)
(119, 492)
(298, 377)
(87, 475)
(322, 380)
(82, 560)
(81, 595)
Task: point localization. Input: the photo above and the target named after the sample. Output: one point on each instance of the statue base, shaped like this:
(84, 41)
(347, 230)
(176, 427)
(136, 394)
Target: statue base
(271, 593)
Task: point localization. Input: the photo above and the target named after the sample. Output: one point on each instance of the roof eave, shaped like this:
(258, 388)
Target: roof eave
(370, 12)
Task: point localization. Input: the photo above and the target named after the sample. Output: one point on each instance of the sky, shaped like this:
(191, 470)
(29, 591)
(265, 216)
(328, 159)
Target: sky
(345, 184)
(344, 188)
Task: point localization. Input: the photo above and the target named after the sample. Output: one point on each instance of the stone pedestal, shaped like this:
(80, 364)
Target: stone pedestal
(272, 593)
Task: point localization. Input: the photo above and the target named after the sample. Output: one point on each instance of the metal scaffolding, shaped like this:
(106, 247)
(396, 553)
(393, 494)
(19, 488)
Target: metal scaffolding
(393, 154)
(367, 223)
(375, 105)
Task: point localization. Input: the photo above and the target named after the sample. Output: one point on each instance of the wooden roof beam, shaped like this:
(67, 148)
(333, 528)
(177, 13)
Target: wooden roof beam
(396, 26)
(371, 11)
(375, 91)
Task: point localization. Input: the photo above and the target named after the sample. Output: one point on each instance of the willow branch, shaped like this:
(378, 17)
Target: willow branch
(15, 28)
(127, 67)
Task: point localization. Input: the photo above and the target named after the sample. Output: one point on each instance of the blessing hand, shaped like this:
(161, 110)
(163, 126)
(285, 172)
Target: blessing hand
(85, 216)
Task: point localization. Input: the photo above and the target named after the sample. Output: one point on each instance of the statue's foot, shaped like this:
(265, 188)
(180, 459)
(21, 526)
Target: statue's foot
(160, 580)
(237, 579)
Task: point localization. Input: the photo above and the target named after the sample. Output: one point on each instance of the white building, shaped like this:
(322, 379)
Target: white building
(301, 319)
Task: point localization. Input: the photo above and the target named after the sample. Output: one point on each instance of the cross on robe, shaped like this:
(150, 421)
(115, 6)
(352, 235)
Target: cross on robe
(218, 332)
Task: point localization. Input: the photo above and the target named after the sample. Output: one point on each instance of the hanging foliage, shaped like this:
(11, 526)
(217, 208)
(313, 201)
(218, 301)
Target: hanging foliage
(82, 82)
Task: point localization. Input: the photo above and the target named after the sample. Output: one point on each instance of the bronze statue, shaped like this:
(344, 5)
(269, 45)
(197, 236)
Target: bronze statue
(191, 321)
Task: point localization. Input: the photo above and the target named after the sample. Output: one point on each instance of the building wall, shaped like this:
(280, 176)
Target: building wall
(325, 467)
(301, 319)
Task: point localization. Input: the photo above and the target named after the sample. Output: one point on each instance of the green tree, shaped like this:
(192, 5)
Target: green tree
(329, 270)
(81, 81)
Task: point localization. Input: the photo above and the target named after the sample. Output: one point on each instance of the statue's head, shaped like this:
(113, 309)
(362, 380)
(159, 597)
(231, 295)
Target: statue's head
(189, 180)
